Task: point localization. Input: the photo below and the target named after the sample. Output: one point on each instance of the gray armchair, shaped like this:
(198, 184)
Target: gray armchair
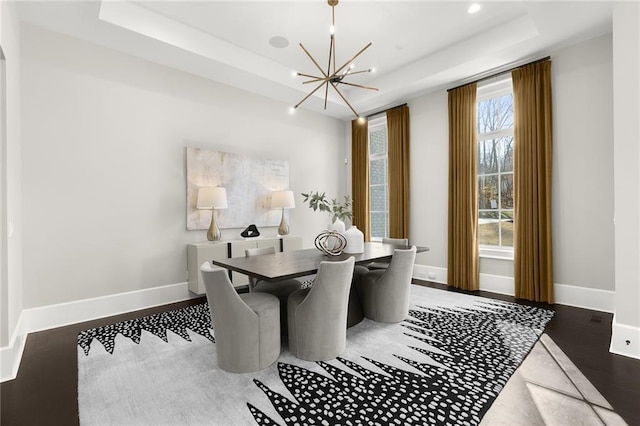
(396, 241)
(246, 327)
(318, 316)
(280, 289)
(385, 292)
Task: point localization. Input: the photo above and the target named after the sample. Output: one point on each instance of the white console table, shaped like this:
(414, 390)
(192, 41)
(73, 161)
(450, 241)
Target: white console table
(206, 251)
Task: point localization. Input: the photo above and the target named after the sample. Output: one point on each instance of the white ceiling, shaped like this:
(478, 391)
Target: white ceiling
(417, 46)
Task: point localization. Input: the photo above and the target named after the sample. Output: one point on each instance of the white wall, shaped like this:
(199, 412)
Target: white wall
(104, 138)
(625, 338)
(583, 164)
(429, 179)
(11, 335)
(583, 175)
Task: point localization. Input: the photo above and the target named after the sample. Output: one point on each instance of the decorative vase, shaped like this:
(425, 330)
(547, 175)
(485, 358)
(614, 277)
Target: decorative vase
(355, 240)
(338, 226)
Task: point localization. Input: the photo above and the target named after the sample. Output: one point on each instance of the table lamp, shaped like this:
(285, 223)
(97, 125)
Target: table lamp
(212, 197)
(283, 200)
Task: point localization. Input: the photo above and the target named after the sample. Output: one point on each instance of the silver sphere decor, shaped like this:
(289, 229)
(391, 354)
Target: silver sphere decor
(331, 243)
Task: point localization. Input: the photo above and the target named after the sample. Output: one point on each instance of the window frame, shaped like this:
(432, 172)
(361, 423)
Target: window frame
(495, 88)
(375, 124)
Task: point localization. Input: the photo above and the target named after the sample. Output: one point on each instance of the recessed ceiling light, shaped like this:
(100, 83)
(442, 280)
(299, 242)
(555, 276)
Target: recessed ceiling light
(278, 42)
(474, 8)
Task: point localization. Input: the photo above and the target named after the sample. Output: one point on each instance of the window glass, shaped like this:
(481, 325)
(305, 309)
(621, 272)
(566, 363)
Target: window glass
(506, 229)
(495, 165)
(378, 141)
(378, 225)
(506, 154)
(505, 114)
(378, 171)
(378, 198)
(488, 192)
(378, 178)
(488, 154)
(506, 191)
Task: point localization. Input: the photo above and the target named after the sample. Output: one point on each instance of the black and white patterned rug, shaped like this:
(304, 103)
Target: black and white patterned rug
(445, 364)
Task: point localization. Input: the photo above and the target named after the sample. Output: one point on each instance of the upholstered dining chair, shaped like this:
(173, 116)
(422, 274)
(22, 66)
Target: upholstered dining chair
(280, 289)
(318, 315)
(246, 326)
(396, 241)
(385, 292)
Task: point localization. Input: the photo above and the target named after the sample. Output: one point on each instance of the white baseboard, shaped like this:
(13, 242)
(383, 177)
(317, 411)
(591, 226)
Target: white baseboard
(11, 355)
(46, 317)
(51, 316)
(430, 273)
(497, 284)
(588, 298)
(620, 335)
(580, 297)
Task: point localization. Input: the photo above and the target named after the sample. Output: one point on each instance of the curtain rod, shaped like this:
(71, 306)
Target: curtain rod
(368, 116)
(501, 73)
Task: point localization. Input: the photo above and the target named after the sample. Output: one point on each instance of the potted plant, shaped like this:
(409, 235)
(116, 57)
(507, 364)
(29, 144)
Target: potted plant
(338, 212)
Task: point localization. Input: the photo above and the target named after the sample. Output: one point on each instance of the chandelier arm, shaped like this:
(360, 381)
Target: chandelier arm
(333, 53)
(331, 56)
(359, 85)
(326, 95)
(334, 57)
(345, 100)
(316, 79)
(313, 60)
(359, 72)
(300, 74)
(311, 93)
(326, 89)
(354, 58)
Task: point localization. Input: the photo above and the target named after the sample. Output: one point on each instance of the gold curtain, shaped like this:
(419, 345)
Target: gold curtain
(398, 166)
(533, 244)
(360, 176)
(463, 252)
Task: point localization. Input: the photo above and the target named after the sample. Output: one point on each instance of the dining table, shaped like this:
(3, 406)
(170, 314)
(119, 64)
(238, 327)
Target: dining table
(299, 263)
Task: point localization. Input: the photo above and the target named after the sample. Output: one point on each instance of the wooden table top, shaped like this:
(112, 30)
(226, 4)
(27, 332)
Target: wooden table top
(298, 263)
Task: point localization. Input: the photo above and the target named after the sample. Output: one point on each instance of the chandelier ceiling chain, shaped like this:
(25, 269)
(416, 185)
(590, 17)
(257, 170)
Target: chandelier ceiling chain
(333, 77)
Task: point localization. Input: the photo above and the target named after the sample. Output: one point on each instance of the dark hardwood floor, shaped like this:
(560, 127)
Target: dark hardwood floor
(45, 391)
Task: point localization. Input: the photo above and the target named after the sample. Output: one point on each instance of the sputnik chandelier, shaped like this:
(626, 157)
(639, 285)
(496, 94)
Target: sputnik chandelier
(333, 76)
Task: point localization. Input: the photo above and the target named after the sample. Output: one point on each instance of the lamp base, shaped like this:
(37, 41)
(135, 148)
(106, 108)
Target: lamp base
(283, 229)
(213, 234)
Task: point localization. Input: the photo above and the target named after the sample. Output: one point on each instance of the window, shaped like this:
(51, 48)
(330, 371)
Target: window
(378, 179)
(495, 167)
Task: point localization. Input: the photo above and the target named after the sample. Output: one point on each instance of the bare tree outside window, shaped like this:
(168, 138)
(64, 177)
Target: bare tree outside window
(495, 170)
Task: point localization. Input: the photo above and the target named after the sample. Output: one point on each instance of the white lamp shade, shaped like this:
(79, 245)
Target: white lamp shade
(212, 196)
(282, 200)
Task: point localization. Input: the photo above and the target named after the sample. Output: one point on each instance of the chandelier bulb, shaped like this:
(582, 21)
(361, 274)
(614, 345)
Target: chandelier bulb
(332, 30)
